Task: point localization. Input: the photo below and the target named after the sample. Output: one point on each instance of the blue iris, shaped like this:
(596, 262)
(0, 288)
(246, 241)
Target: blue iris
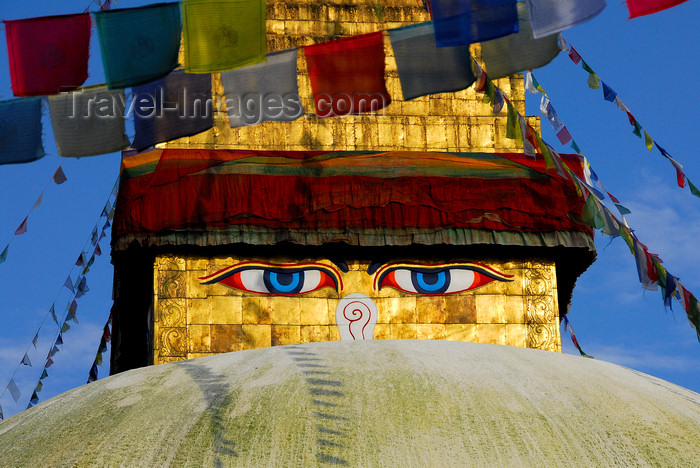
(430, 282)
(283, 282)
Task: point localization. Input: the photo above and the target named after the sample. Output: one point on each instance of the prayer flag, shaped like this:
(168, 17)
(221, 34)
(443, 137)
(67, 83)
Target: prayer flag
(574, 56)
(26, 361)
(564, 136)
(609, 94)
(93, 373)
(264, 92)
(530, 83)
(89, 122)
(39, 386)
(22, 227)
(82, 288)
(680, 175)
(73, 308)
(552, 16)
(139, 44)
(98, 250)
(53, 313)
(646, 7)
(20, 130)
(49, 361)
(69, 284)
(59, 340)
(425, 68)
(53, 351)
(622, 209)
(65, 327)
(34, 340)
(513, 131)
(648, 141)
(176, 106)
(221, 35)
(517, 52)
(48, 55)
(14, 391)
(107, 333)
(44, 374)
(59, 176)
(37, 203)
(3, 255)
(463, 22)
(347, 75)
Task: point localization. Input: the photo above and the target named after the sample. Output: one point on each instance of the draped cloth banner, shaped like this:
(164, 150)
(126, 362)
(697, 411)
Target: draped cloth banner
(221, 35)
(646, 7)
(462, 22)
(264, 92)
(552, 16)
(20, 130)
(517, 52)
(88, 122)
(347, 75)
(48, 55)
(139, 44)
(176, 106)
(426, 69)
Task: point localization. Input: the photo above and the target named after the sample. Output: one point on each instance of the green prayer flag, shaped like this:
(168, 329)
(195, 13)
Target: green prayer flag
(575, 147)
(648, 141)
(65, 327)
(587, 67)
(693, 189)
(546, 154)
(513, 124)
(98, 359)
(138, 45)
(3, 255)
(623, 210)
(220, 35)
(637, 129)
(591, 213)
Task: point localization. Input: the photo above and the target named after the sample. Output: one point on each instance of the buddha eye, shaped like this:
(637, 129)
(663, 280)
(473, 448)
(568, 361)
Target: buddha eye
(437, 279)
(287, 279)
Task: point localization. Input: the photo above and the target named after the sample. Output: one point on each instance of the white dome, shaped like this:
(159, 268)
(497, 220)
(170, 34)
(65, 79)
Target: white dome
(367, 403)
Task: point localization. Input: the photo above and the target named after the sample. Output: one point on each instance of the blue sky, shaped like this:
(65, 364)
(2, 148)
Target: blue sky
(653, 64)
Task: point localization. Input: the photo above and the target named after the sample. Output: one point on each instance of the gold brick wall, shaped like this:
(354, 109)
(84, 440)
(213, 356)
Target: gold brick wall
(455, 122)
(192, 320)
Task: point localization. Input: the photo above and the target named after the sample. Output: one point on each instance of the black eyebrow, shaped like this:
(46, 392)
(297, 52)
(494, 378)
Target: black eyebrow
(342, 266)
(374, 266)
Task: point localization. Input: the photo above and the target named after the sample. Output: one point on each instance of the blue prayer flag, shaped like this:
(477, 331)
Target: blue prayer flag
(609, 94)
(176, 106)
(20, 130)
(461, 22)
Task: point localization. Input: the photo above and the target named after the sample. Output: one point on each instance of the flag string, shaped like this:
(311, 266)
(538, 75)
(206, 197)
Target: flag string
(77, 288)
(610, 95)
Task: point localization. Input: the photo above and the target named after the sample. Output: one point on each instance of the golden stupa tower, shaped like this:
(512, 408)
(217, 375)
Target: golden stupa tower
(166, 311)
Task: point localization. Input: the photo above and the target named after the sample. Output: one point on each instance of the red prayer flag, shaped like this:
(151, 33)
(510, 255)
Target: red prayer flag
(646, 7)
(22, 227)
(347, 75)
(48, 55)
(574, 56)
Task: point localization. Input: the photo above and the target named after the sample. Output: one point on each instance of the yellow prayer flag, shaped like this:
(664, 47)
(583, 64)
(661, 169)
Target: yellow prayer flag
(221, 35)
(648, 141)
